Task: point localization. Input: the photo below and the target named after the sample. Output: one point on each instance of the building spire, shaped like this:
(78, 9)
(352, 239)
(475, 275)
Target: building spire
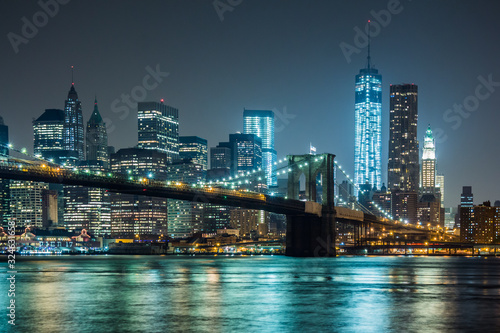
(72, 75)
(369, 41)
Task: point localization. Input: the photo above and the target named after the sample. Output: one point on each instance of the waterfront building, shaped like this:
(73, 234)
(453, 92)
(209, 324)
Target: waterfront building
(185, 218)
(26, 203)
(88, 208)
(137, 215)
(480, 224)
(250, 222)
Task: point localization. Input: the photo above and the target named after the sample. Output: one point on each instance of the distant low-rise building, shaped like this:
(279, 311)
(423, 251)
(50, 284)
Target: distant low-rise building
(480, 224)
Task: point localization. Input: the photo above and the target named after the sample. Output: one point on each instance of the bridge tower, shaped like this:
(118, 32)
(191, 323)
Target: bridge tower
(310, 235)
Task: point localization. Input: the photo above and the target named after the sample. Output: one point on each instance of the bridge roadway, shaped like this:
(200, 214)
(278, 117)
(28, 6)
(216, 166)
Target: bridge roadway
(38, 171)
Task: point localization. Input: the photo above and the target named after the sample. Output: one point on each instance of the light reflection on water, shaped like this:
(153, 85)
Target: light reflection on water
(221, 294)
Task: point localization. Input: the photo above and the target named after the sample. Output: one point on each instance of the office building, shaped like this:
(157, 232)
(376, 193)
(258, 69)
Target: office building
(466, 201)
(368, 127)
(261, 123)
(220, 157)
(49, 135)
(88, 208)
(246, 153)
(158, 126)
(26, 203)
(137, 215)
(4, 183)
(250, 222)
(97, 139)
(73, 125)
(195, 149)
(440, 187)
(403, 165)
(185, 218)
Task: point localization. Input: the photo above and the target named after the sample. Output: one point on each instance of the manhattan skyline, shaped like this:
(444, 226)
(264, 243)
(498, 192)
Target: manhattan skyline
(265, 56)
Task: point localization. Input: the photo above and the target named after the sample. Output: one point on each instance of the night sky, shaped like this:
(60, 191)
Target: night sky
(265, 54)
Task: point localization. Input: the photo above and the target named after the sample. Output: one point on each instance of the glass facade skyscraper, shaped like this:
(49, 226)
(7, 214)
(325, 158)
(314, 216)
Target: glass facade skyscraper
(97, 139)
(138, 214)
(403, 165)
(158, 126)
(246, 153)
(368, 128)
(195, 149)
(261, 123)
(49, 137)
(4, 183)
(73, 124)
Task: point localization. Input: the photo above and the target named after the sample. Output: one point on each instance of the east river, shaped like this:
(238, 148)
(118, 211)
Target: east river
(254, 294)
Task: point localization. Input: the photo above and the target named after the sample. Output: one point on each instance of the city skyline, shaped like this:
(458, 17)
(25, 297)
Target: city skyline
(313, 109)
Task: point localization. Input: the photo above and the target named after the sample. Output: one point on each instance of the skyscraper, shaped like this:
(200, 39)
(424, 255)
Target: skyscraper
(403, 166)
(73, 124)
(465, 209)
(368, 127)
(88, 207)
(49, 136)
(220, 157)
(261, 123)
(467, 198)
(26, 203)
(185, 217)
(429, 163)
(97, 139)
(4, 183)
(440, 186)
(195, 149)
(246, 153)
(158, 126)
(137, 214)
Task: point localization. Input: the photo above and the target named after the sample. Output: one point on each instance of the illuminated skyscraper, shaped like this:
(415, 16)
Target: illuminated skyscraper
(4, 183)
(440, 185)
(88, 207)
(137, 214)
(195, 149)
(73, 124)
(185, 217)
(403, 166)
(158, 126)
(49, 135)
(246, 153)
(429, 163)
(97, 139)
(26, 203)
(261, 123)
(368, 127)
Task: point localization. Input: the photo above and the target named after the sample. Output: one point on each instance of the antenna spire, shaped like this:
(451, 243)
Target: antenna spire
(369, 40)
(72, 80)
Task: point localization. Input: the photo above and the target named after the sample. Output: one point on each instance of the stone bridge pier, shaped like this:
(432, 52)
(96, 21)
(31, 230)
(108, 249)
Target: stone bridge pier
(312, 234)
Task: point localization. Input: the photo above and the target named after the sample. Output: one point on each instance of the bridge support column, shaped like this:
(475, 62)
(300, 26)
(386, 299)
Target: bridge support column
(311, 236)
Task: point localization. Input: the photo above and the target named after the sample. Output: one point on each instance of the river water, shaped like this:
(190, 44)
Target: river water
(254, 294)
